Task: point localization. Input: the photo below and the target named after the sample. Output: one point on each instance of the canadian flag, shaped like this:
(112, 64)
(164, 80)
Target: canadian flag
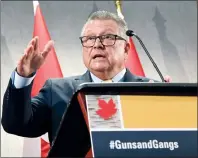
(133, 62)
(39, 147)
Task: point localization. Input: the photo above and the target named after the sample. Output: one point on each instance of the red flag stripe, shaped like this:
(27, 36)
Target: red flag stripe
(133, 63)
(45, 146)
(51, 67)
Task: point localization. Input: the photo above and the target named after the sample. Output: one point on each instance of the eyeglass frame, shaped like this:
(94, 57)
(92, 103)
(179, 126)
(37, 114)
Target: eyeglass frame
(117, 37)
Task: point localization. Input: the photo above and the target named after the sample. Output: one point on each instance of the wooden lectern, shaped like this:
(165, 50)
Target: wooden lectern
(144, 106)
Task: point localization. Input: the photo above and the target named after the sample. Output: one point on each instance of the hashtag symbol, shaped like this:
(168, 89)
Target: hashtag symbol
(111, 144)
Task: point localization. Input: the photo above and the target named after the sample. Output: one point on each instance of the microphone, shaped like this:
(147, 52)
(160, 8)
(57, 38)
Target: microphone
(131, 33)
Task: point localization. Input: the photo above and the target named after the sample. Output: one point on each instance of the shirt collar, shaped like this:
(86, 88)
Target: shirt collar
(116, 78)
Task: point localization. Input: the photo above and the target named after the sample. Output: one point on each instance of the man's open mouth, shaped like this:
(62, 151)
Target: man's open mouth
(98, 56)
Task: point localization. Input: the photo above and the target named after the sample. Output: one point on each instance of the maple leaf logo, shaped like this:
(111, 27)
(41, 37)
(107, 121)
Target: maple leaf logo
(107, 110)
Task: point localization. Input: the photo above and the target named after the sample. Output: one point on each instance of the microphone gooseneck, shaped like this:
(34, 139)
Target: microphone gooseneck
(131, 33)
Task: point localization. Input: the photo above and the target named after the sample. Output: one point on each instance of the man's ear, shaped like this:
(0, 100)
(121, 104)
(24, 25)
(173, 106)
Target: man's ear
(126, 50)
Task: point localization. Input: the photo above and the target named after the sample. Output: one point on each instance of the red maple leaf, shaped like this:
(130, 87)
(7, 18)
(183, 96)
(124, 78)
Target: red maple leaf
(107, 110)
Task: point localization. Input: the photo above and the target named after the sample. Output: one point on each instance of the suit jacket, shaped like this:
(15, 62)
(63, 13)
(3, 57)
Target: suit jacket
(34, 117)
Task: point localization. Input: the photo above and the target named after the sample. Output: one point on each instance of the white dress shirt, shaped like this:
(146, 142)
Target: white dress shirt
(116, 78)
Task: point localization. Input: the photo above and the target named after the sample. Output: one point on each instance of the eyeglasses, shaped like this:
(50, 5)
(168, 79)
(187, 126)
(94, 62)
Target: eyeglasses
(106, 40)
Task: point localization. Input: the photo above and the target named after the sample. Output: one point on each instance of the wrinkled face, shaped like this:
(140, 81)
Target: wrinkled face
(104, 58)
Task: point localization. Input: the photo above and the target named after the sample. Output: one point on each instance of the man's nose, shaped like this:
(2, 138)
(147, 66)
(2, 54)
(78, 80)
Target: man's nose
(98, 44)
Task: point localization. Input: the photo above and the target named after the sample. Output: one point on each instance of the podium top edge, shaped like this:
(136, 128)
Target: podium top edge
(136, 84)
(139, 88)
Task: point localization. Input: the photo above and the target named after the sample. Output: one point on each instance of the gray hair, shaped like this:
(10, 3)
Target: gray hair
(105, 15)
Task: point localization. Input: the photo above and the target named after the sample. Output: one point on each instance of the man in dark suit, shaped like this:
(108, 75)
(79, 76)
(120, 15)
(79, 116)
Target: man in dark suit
(105, 50)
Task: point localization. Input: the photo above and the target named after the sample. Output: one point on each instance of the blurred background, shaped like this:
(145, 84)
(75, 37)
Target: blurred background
(167, 28)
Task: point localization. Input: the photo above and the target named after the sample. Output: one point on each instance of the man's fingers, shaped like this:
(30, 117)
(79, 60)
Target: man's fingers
(32, 42)
(47, 48)
(22, 59)
(25, 55)
(29, 51)
(36, 44)
(167, 78)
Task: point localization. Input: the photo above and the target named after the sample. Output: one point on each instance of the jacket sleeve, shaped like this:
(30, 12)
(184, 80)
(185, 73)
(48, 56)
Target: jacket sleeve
(26, 116)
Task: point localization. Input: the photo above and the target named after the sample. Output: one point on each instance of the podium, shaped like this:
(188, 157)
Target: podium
(129, 120)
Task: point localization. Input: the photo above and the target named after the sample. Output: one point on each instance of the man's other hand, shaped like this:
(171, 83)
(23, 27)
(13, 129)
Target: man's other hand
(166, 78)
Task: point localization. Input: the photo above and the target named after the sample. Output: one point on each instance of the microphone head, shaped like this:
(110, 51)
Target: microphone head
(130, 33)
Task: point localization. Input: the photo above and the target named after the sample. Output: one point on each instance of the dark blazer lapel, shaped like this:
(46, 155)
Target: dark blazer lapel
(129, 77)
(86, 77)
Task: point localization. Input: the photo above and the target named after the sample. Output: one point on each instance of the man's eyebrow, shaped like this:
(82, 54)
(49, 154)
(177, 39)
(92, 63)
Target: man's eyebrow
(92, 34)
(109, 31)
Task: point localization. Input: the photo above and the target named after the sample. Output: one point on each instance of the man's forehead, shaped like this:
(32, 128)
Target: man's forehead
(101, 25)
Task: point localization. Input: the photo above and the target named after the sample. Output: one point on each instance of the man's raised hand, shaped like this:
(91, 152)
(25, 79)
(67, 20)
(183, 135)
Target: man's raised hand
(33, 58)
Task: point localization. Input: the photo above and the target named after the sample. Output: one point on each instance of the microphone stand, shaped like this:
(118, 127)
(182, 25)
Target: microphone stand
(131, 33)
